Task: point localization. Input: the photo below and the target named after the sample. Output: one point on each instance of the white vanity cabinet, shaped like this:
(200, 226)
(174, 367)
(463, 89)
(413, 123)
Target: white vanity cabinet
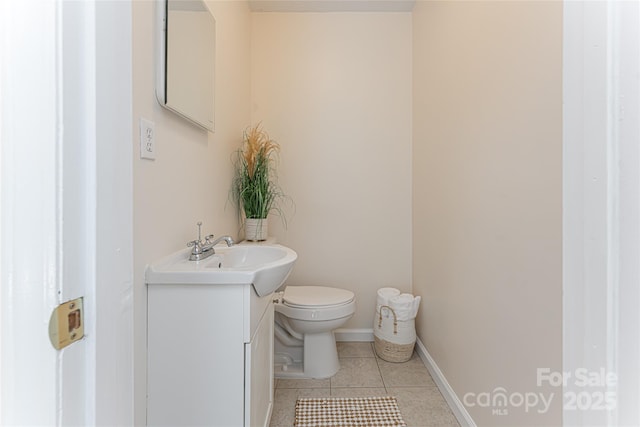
(210, 355)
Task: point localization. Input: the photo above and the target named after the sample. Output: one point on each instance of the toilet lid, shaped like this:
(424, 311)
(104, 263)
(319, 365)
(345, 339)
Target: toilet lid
(316, 296)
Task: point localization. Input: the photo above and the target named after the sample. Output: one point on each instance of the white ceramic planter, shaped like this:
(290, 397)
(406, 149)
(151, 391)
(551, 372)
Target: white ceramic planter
(256, 230)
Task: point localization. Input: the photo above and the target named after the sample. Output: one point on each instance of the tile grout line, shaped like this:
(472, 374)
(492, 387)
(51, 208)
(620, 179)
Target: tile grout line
(379, 370)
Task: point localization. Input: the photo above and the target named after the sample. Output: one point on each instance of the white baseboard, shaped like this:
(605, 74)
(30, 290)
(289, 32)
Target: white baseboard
(363, 335)
(449, 395)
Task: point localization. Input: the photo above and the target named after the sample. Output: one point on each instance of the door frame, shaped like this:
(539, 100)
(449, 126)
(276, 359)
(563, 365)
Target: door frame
(66, 210)
(601, 211)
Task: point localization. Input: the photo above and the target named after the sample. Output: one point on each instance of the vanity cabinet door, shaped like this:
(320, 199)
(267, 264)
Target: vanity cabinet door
(259, 373)
(195, 357)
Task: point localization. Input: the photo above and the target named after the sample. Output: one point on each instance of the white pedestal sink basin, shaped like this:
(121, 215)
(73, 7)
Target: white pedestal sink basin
(266, 267)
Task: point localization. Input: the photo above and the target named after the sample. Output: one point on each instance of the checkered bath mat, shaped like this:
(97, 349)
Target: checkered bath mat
(348, 411)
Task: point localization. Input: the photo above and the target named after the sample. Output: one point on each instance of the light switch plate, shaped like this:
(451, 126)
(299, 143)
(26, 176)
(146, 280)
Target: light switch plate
(147, 139)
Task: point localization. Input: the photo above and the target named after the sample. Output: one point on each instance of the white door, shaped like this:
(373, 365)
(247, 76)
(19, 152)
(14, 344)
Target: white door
(58, 228)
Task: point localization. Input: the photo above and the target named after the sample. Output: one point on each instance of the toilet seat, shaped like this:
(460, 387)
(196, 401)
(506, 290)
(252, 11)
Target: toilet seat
(316, 303)
(316, 297)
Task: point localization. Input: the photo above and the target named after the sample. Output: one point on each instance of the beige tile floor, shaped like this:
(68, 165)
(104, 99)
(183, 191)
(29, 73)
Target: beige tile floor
(363, 374)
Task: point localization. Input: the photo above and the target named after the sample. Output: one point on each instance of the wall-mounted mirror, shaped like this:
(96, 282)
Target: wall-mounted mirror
(186, 60)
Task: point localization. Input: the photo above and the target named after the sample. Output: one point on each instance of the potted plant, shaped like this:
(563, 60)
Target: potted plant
(255, 187)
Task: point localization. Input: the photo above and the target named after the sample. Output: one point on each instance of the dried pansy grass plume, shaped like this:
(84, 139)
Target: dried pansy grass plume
(255, 186)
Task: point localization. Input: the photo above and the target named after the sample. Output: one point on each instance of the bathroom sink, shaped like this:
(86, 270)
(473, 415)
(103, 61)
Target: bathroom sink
(264, 266)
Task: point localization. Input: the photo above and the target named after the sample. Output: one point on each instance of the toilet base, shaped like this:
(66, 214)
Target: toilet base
(291, 370)
(320, 359)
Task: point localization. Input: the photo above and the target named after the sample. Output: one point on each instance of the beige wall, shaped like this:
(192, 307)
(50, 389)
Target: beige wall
(190, 179)
(487, 152)
(334, 89)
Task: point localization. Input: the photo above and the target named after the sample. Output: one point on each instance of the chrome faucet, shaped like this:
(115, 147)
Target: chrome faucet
(202, 250)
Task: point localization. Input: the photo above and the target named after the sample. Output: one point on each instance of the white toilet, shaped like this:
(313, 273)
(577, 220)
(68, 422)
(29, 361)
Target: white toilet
(305, 318)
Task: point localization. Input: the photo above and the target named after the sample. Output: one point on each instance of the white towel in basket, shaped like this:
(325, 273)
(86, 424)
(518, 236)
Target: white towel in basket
(405, 306)
(384, 294)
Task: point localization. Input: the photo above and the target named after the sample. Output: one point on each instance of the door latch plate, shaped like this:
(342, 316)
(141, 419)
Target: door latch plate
(66, 324)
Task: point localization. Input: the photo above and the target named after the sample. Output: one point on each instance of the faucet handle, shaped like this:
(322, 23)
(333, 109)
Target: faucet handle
(197, 247)
(208, 238)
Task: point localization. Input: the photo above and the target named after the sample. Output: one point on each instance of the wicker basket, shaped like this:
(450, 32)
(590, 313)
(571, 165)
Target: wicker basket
(402, 332)
(392, 352)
